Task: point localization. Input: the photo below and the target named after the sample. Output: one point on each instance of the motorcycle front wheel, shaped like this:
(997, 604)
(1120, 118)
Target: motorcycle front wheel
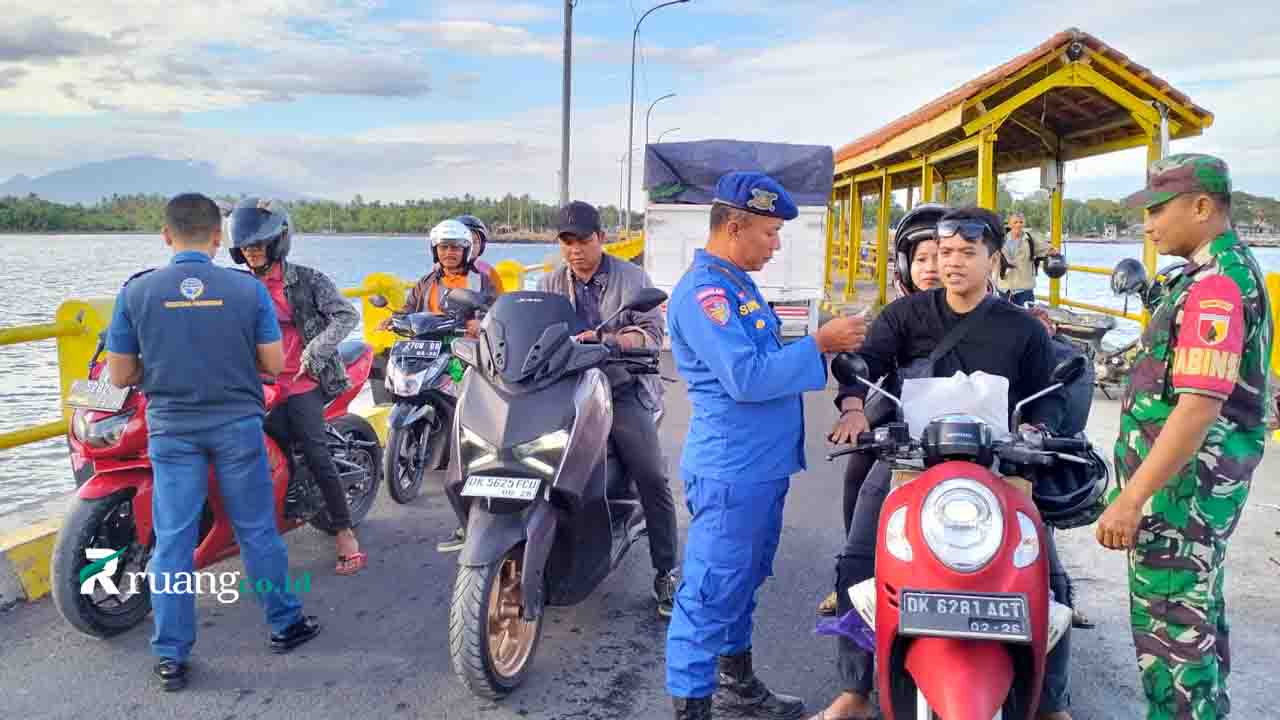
(490, 644)
(404, 462)
(96, 608)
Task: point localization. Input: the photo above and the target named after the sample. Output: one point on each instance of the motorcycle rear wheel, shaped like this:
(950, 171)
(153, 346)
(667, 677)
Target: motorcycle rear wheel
(491, 646)
(360, 497)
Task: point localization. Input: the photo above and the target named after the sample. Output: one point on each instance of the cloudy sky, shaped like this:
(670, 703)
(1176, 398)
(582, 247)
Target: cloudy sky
(398, 100)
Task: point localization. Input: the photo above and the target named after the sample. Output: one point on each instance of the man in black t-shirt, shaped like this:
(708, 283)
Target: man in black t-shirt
(1007, 342)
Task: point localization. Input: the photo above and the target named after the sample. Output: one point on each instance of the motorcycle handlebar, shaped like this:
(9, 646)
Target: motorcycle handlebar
(1066, 445)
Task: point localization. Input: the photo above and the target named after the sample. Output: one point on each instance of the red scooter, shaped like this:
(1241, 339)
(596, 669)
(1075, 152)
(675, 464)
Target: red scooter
(112, 508)
(960, 604)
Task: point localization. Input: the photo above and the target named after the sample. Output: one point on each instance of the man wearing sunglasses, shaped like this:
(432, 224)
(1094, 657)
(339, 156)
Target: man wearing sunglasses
(1000, 339)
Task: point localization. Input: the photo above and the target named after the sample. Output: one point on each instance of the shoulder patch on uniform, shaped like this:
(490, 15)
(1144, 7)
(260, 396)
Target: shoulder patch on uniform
(716, 307)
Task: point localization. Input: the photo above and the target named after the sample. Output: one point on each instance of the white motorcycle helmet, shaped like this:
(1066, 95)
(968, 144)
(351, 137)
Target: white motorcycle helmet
(451, 232)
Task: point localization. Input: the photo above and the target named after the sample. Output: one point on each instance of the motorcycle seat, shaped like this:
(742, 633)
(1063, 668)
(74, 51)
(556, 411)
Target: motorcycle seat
(350, 351)
(1084, 332)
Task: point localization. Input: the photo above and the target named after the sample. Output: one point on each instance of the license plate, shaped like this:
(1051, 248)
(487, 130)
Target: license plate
(426, 349)
(982, 616)
(97, 395)
(505, 488)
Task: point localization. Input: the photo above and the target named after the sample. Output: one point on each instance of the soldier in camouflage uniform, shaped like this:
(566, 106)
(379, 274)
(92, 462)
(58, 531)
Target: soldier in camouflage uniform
(1193, 426)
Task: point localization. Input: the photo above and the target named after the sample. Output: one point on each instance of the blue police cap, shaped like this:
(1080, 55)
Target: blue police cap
(755, 193)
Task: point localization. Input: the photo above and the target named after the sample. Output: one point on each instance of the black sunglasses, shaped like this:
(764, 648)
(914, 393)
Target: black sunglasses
(971, 230)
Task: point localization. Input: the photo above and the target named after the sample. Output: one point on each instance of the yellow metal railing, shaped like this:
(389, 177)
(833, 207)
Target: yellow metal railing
(77, 324)
(1273, 294)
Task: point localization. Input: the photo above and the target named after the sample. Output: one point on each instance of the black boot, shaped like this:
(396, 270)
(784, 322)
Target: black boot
(692, 708)
(742, 693)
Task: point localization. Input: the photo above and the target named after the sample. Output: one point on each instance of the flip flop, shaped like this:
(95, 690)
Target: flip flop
(351, 564)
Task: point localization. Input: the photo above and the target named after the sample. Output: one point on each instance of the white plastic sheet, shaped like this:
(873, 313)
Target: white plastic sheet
(980, 394)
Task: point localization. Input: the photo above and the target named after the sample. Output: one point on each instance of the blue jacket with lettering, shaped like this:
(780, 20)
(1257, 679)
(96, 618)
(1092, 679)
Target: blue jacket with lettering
(744, 385)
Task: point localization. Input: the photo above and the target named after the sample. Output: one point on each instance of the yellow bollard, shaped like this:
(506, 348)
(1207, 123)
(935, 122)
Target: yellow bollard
(75, 351)
(512, 274)
(394, 290)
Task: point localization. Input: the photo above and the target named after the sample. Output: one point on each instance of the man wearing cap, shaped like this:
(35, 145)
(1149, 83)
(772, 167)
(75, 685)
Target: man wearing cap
(746, 438)
(597, 286)
(1192, 430)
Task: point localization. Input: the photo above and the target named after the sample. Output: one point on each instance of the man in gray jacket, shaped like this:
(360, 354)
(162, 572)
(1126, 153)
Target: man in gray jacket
(597, 285)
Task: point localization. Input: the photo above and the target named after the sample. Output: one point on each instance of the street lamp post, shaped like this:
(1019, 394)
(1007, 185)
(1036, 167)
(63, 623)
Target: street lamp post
(621, 157)
(564, 101)
(664, 132)
(631, 107)
(650, 111)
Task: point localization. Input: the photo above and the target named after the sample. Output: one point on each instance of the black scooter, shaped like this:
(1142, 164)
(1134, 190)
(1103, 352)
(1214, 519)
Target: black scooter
(548, 517)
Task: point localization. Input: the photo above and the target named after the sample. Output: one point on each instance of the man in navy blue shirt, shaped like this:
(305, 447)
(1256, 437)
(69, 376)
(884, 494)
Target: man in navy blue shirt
(194, 337)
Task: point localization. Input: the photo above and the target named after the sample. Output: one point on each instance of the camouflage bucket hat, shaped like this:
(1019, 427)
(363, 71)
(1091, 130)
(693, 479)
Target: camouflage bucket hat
(1182, 173)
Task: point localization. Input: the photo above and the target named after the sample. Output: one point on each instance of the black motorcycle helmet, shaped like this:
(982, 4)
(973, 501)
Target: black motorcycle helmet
(477, 225)
(1070, 495)
(1055, 266)
(916, 226)
(264, 222)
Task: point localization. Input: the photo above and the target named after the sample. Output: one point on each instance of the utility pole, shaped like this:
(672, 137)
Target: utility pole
(631, 107)
(564, 102)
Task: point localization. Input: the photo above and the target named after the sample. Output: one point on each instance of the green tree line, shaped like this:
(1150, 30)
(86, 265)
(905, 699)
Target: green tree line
(145, 213)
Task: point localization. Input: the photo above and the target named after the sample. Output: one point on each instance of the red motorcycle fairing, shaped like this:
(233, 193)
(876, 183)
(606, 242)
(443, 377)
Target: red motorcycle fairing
(927, 572)
(962, 679)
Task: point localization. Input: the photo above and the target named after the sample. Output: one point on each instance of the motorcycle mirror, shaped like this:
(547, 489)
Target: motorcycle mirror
(466, 350)
(378, 301)
(1068, 371)
(645, 299)
(848, 368)
(1129, 278)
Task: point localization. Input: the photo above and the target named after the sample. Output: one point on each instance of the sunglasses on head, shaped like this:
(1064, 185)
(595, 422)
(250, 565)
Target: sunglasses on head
(971, 230)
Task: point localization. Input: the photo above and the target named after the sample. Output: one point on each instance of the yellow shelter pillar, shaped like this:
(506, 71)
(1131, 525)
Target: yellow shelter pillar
(855, 241)
(882, 238)
(987, 170)
(1055, 238)
(926, 183)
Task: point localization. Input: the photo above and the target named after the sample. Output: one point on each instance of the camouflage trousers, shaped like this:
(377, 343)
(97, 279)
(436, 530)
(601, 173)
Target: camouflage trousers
(1180, 628)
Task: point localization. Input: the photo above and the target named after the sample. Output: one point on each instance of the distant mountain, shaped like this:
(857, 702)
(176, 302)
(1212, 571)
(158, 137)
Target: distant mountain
(139, 174)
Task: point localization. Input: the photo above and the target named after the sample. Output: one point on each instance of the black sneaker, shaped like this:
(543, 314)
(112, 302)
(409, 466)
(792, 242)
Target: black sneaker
(664, 592)
(172, 674)
(294, 635)
(454, 542)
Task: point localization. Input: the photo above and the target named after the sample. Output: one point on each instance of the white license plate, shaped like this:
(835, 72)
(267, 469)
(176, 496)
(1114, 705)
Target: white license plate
(97, 395)
(425, 349)
(506, 488)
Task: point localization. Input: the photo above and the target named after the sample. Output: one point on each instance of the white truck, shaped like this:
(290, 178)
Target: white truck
(680, 179)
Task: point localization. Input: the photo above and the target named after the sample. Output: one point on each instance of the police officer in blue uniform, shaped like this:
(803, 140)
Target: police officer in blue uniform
(194, 337)
(746, 438)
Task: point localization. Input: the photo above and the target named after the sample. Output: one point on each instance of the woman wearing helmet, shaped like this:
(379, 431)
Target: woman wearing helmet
(314, 318)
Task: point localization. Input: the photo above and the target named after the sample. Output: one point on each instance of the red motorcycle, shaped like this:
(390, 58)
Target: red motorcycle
(112, 508)
(960, 605)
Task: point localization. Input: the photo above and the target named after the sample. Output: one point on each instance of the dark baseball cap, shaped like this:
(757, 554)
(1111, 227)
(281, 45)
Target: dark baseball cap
(578, 218)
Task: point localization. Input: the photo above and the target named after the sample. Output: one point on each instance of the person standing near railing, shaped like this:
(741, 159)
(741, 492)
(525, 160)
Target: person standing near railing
(194, 337)
(1015, 274)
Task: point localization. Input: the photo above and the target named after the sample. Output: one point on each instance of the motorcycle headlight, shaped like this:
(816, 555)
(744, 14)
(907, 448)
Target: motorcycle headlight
(405, 384)
(543, 454)
(105, 432)
(963, 524)
(475, 450)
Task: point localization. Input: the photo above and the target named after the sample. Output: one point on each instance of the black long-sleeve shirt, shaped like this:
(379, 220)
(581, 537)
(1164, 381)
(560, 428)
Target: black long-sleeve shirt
(1007, 342)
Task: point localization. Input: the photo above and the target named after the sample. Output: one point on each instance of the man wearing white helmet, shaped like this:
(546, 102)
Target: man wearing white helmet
(452, 248)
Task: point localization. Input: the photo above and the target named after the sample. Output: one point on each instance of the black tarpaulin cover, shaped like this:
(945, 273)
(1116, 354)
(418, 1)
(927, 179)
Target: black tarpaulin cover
(686, 172)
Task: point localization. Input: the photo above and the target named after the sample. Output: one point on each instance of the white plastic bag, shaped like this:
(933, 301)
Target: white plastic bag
(980, 394)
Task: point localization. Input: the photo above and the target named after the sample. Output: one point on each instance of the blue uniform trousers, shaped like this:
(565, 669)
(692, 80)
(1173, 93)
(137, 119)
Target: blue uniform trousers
(733, 537)
(181, 465)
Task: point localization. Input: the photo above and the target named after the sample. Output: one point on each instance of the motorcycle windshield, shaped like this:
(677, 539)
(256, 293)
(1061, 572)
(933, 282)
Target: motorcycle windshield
(528, 336)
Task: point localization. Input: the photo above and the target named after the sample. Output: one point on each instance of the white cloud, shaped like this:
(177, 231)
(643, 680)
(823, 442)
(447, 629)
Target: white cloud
(480, 37)
(507, 12)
